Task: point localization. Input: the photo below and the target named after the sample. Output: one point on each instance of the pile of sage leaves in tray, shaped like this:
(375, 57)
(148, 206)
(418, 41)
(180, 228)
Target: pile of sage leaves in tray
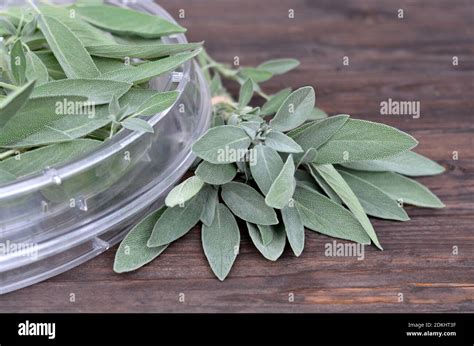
(73, 76)
(278, 169)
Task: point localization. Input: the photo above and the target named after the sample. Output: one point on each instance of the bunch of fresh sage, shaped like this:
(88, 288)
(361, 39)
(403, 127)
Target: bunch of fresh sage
(278, 169)
(73, 76)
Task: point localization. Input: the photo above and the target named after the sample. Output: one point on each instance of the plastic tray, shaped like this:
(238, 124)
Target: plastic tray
(69, 214)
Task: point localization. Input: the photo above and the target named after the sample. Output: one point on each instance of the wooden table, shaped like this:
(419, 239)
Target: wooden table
(403, 59)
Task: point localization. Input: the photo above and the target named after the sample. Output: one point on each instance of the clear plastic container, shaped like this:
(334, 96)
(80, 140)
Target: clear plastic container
(69, 214)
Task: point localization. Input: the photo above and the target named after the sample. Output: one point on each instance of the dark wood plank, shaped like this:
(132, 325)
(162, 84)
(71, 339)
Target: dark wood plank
(402, 59)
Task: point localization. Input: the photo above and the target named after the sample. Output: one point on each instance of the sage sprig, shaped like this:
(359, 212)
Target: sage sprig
(285, 167)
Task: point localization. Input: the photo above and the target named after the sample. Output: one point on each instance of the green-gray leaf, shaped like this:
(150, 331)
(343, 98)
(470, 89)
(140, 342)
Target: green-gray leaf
(279, 66)
(315, 134)
(216, 174)
(364, 140)
(176, 222)
(275, 102)
(268, 165)
(13, 102)
(35, 115)
(248, 204)
(374, 201)
(275, 248)
(222, 144)
(283, 187)
(18, 62)
(147, 52)
(294, 111)
(136, 124)
(95, 90)
(322, 215)
(339, 185)
(257, 75)
(316, 114)
(149, 70)
(36, 69)
(159, 102)
(35, 160)
(221, 241)
(128, 22)
(407, 163)
(282, 143)
(68, 49)
(184, 191)
(133, 252)
(246, 93)
(328, 190)
(401, 188)
(211, 200)
(294, 228)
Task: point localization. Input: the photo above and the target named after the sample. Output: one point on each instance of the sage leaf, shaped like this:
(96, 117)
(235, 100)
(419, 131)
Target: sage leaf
(316, 114)
(246, 93)
(268, 165)
(176, 222)
(133, 251)
(251, 128)
(7, 28)
(18, 62)
(328, 190)
(339, 185)
(13, 102)
(255, 74)
(6, 177)
(184, 191)
(364, 140)
(86, 33)
(307, 157)
(35, 160)
(315, 134)
(149, 70)
(157, 103)
(275, 248)
(374, 201)
(216, 174)
(282, 143)
(55, 70)
(275, 102)
(147, 52)
(65, 129)
(211, 200)
(294, 228)
(266, 234)
(35, 69)
(95, 91)
(248, 204)
(401, 188)
(35, 115)
(304, 179)
(221, 241)
(407, 163)
(279, 66)
(222, 144)
(283, 187)
(68, 50)
(136, 124)
(322, 215)
(293, 112)
(128, 22)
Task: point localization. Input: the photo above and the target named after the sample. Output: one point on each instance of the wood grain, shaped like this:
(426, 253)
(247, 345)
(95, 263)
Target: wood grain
(402, 59)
